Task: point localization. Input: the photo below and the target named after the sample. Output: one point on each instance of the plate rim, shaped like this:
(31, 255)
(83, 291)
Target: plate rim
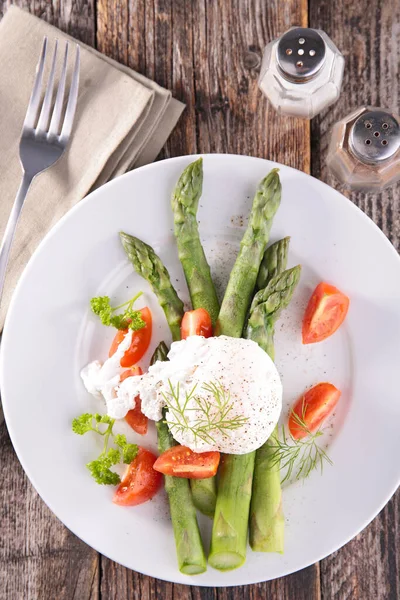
(53, 231)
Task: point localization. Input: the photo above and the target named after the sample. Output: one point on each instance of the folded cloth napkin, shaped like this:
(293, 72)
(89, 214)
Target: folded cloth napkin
(122, 121)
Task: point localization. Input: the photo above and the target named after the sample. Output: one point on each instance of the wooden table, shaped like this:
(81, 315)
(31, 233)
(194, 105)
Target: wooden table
(208, 53)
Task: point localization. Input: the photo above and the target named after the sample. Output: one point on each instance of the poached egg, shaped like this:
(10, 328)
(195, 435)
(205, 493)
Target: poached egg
(221, 393)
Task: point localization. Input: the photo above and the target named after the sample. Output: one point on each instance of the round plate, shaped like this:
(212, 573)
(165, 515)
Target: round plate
(50, 334)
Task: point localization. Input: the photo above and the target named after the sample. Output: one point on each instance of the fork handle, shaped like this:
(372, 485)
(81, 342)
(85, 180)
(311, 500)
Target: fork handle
(11, 226)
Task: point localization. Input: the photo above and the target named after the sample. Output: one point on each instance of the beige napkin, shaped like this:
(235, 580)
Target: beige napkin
(122, 121)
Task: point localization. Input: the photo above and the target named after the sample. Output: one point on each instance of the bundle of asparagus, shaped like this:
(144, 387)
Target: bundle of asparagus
(249, 488)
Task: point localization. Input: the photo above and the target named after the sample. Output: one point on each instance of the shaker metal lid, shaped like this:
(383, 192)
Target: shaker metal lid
(300, 53)
(375, 136)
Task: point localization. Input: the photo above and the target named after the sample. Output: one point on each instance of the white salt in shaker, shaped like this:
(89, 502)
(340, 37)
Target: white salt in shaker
(301, 72)
(364, 150)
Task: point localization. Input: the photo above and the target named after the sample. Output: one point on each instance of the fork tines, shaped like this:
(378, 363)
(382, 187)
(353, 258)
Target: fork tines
(42, 119)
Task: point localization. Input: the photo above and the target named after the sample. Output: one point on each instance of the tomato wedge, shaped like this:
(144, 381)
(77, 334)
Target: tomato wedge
(181, 461)
(325, 312)
(135, 370)
(312, 409)
(135, 418)
(140, 341)
(196, 322)
(140, 482)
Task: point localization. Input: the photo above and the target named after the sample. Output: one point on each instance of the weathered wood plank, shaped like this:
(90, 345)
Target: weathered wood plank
(209, 55)
(303, 585)
(164, 53)
(39, 557)
(76, 17)
(368, 34)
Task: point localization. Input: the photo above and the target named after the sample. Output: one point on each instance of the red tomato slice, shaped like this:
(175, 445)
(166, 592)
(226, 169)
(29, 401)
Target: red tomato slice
(196, 322)
(135, 418)
(180, 461)
(135, 370)
(313, 408)
(140, 341)
(140, 482)
(325, 312)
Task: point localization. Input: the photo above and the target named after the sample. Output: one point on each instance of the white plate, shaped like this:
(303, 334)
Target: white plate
(50, 335)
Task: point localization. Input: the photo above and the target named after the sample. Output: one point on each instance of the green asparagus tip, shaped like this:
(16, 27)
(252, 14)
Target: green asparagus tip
(273, 174)
(195, 169)
(124, 236)
(130, 241)
(196, 165)
(271, 182)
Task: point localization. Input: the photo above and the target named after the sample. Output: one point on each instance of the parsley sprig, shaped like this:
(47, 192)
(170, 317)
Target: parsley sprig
(129, 319)
(100, 469)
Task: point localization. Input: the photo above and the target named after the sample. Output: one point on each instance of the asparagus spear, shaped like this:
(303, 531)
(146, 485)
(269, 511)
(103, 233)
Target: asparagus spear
(266, 307)
(189, 547)
(273, 262)
(266, 516)
(146, 263)
(245, 271)
(229, 534)
(185, 200)
(266, 522)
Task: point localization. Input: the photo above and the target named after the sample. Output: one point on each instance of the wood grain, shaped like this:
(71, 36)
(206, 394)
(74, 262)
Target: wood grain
(208, 53)
(76, 17)
(368, 34)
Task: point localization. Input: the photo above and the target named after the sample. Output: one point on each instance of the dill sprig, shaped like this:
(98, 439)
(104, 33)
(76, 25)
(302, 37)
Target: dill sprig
(214, 416)
(298, 458)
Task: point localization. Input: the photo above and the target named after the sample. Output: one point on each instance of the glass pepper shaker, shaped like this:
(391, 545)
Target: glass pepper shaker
(364, 150)
(301, 72)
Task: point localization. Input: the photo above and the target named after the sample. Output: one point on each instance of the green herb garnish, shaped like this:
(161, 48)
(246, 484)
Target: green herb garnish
(100, 469)
(129, 319)
(210, 420)
(298, 458)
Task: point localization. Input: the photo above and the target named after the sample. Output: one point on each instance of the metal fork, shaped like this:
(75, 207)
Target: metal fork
(42, 144)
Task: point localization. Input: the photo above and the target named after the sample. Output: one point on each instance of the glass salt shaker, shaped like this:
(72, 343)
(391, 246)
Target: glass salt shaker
(364, 150)
(301, 72)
